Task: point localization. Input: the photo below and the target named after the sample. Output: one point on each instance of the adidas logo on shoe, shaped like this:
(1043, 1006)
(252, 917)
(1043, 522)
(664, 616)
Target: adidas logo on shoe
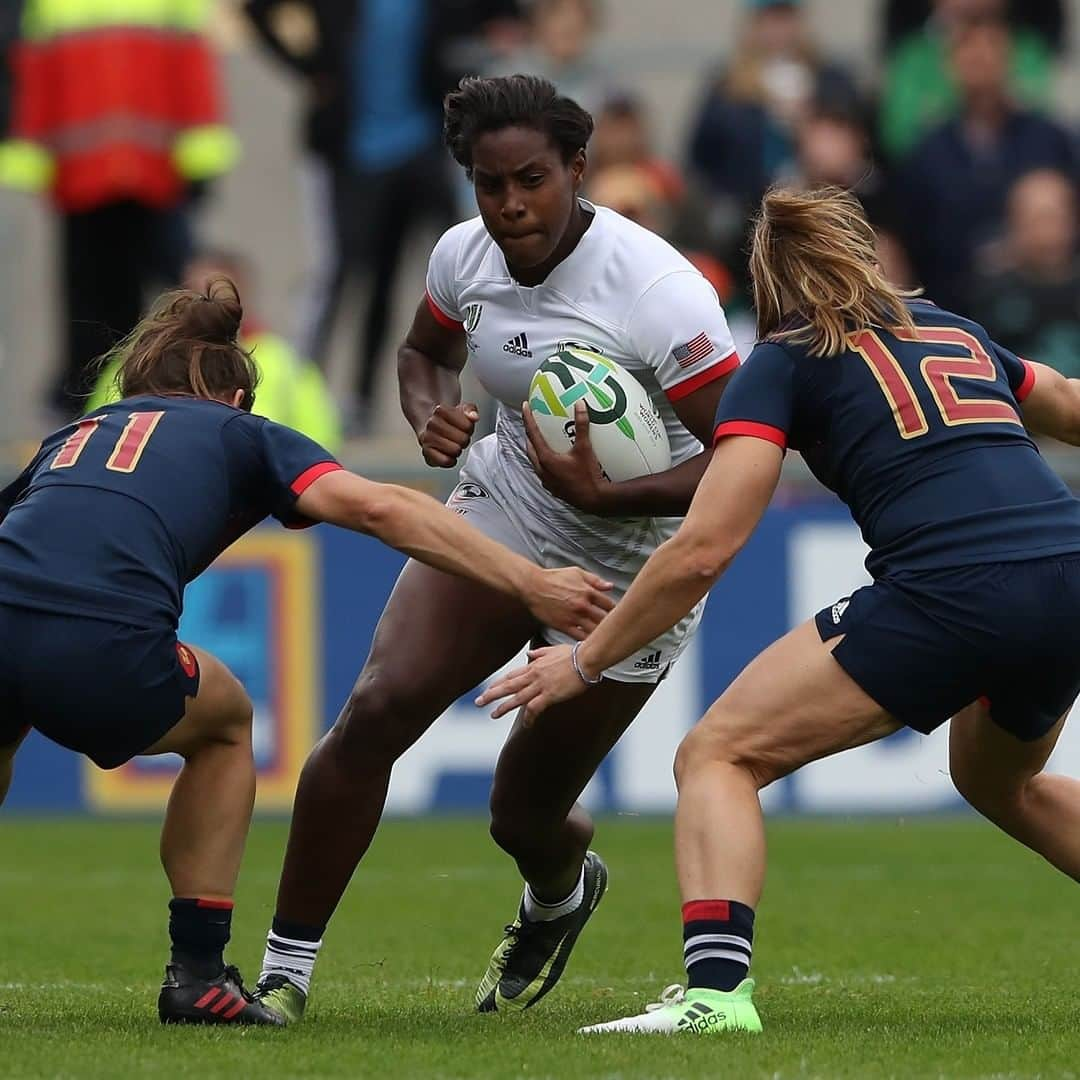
(519, 346)
(700, 1017)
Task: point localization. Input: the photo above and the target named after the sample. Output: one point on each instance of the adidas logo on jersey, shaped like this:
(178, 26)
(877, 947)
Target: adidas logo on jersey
(519, 346)
(649, 663)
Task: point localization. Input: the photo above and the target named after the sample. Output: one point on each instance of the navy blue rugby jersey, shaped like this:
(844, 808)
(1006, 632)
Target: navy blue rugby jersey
(920, 434)
(119, 511)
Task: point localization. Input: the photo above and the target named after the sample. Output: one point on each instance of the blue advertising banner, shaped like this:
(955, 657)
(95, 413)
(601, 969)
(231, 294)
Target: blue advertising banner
(293, 614)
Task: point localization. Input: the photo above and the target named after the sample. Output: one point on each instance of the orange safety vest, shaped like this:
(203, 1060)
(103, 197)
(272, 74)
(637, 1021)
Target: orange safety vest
(115, 99)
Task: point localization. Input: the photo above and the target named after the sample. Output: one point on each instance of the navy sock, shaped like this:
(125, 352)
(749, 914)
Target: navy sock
(200, 930)
(296, 931)
(718, 936)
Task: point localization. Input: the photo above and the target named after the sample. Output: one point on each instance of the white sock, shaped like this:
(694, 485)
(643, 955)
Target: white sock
(538, 911)
(293, 959)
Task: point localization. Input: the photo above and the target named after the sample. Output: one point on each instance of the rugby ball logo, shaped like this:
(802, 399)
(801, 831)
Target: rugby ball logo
(626, 432)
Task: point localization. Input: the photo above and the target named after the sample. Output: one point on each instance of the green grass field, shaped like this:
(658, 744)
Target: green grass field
(885, 949)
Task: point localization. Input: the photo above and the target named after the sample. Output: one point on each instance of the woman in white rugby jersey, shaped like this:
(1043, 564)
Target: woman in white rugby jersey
(539, 267)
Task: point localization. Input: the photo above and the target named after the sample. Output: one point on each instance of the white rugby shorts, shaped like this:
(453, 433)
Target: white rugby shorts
(481, 498)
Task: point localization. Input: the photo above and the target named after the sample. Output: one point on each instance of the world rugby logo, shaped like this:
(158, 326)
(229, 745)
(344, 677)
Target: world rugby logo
(472, 317)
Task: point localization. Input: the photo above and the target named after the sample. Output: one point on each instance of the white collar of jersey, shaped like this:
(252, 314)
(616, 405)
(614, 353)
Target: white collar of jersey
(583, 250)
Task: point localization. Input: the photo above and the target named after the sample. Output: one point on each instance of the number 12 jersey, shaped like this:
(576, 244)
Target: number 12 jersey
(920, 434)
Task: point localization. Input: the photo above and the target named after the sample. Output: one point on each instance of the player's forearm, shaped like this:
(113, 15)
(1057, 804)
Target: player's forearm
(423, 384)
(666, 494)
(675, 578)
(421, 528)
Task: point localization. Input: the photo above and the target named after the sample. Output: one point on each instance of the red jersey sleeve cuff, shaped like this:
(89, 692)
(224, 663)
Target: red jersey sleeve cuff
(753, 429)
(309, 476)
(1028, 381)
(440, 316)
(703, 378)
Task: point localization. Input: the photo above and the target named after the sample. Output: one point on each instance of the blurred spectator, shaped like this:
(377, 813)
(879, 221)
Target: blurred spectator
(319, 58)
(920, 91)
(10, 16)
(638, 194)
(893, 258)
(621, 137)
(1032, 305)
(117, 113)
(743, 136)
(376, 72)
(291, 390)
(833, 147)
(562, 36)
(955, 185)
(1045, 17)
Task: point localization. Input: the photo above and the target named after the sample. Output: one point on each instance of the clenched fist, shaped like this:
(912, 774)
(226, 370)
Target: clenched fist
(447, 432)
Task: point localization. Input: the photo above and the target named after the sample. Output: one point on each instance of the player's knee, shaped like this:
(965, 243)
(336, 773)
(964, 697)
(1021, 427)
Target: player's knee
(236, 718)
(373, 722)
(716, 743)
(991, 796)
(509, 828)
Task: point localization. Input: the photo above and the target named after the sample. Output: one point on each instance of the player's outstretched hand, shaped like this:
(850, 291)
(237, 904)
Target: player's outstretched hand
(576, 476)
(547, 680)
(570, 600)
(447, 433)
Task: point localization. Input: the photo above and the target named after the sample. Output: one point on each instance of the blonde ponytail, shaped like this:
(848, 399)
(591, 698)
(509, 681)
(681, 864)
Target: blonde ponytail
(813, 255)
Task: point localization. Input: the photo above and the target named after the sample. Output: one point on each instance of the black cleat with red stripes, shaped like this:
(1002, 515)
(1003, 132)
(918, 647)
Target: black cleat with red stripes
(186, 998)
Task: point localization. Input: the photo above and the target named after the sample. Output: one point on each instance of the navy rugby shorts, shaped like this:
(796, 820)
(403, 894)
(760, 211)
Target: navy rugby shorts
(100, 688)
(926, 644)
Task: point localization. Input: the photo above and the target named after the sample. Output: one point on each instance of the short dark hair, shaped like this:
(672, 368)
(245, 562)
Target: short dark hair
(480, 105)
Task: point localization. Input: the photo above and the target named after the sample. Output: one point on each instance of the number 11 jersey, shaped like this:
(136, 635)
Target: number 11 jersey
(119, 511)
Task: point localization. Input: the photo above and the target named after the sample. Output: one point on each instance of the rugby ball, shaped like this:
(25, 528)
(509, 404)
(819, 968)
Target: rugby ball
(625, 429)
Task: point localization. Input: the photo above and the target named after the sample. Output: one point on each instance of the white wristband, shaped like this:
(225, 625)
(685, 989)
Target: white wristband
(577, 667)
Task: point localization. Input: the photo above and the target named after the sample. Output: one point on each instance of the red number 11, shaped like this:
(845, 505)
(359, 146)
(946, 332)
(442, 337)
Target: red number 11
(127, 451)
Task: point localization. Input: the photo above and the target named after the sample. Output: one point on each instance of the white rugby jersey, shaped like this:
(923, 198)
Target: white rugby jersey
(623, 292)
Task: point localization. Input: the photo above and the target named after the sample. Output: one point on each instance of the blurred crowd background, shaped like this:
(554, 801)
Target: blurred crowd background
(295, 144)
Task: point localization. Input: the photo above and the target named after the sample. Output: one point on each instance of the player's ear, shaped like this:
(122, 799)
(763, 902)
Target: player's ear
(237, 400)
(578, 165)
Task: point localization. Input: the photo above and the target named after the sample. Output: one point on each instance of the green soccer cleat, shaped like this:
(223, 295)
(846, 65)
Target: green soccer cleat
(695, 1012)
(532, 956)
(281, 997)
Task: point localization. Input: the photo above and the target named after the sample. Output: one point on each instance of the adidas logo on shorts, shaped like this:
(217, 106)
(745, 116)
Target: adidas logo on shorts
(518, 345)
(838, 610)
(649, 663)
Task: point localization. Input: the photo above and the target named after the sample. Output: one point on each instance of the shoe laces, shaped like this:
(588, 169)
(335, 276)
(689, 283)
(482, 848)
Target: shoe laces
(232, 973)
(674, 994)
(272, 982)
(520, 933)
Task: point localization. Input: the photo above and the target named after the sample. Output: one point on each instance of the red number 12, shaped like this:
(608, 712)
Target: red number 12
(938, 373)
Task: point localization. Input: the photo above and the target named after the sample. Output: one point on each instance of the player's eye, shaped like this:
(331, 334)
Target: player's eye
(534, 180)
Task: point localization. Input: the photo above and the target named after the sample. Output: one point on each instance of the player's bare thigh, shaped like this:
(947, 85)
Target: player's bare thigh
(220, 712)
(988, 764)
(438, 637)
(791, 705)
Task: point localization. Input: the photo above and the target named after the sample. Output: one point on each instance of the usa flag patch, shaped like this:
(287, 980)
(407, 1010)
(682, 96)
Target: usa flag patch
(694, 350)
